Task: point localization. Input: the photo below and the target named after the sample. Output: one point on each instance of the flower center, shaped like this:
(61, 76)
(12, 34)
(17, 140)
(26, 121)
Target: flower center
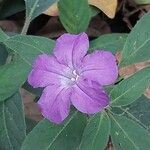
(75, 76)
(72, 78)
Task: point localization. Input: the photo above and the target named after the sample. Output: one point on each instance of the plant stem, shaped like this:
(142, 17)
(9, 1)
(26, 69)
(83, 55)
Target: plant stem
(26, 26)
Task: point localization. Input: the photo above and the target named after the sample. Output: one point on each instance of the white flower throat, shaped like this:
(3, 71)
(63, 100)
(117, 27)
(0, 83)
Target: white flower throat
(72, 77)
(75, 76)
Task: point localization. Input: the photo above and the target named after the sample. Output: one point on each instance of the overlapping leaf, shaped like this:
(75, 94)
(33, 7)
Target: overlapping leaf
(96, 133)
(127, 134)
(33, 9)
(12, 123)
(36, 7)
(12, 76)
(29, 47)
(30, 124)
(110, 42)
(137, 46)
(3, 36)
(139, 111)
(131, 88)
(75, 19)
(3, 54)
(15, 74)
(47, 136)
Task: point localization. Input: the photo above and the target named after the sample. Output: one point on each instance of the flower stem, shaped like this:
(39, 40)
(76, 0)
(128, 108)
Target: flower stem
(26, 26)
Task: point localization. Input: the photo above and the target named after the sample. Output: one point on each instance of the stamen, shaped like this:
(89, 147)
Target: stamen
(73, 79)
(74, 72)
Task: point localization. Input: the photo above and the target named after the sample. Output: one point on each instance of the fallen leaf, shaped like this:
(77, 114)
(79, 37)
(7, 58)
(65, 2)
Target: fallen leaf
(127, 71)
(30, 107)
(10, 26)
(130, 69)
(107, 6)
(52, 10)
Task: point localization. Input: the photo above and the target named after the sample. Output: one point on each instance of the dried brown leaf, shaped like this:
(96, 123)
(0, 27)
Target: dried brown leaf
(30, 107)
(52, 10)
(107, 6)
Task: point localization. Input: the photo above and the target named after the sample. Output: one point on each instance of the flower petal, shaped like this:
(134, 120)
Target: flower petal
(89, 97)
(46, 71)
(55, 103)
(40, 78)
(48, 63)
(70, 49)
(100, 66)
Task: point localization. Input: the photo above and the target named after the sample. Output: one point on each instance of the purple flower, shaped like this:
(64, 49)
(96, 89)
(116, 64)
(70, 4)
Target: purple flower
(70, 76)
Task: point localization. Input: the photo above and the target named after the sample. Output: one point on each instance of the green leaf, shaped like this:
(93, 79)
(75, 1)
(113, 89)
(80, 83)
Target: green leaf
(29, 47)
(36, 7)
(33, 9)
(136, 48)
(142, 1)
(74, 15)
(3, 36)
(48, 136)
(131, 88)
(30, 124)
(112, 42)
(96, 133)
(11, 7)
(12, 124)
(128, 135)
(3, 54)
(139, 111)
(12, 76)
(35, 91)
(94, 11)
